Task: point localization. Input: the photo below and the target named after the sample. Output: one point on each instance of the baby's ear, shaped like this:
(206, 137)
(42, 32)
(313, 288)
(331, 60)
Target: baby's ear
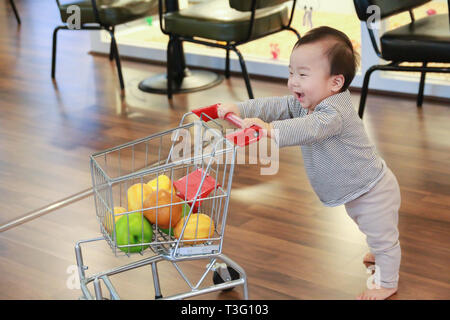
(337, 82)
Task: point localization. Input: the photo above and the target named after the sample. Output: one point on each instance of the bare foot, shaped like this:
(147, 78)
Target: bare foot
(377, 294)
(369, 258)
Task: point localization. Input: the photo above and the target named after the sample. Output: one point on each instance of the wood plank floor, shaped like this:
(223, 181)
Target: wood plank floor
(290, 245)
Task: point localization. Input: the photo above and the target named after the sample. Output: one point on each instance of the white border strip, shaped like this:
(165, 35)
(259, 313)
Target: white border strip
(401, 82)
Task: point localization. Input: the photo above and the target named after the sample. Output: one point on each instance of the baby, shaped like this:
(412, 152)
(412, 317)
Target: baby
(342, 165)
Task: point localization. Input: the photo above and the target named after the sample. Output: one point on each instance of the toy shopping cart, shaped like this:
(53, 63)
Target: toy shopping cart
(166, 197)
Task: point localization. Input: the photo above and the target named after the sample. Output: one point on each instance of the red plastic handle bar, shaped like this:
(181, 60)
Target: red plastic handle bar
(210, 111)
(245, 137)
(241, 137)
(233, 119)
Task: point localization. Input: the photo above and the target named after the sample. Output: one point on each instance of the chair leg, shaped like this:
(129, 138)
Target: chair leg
(244, 72)
(16, 13)
(169, 69)
(117, 58)
(55, 32)
(421, 87)
(227, 64)
(364, 90)
(111, 48)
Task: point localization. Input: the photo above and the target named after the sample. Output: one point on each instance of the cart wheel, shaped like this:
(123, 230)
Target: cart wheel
(217, 279)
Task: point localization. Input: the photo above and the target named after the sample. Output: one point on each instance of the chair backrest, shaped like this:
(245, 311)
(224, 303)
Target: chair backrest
(246, 5)
(387, 7)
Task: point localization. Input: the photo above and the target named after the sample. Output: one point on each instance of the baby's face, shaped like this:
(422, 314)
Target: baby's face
(309, 74)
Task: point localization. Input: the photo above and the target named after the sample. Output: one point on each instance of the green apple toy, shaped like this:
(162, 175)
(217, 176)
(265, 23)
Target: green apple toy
(140, 231)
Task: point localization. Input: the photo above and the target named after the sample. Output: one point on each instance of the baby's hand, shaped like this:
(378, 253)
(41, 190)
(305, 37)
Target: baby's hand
(266, 127)
(224, 108)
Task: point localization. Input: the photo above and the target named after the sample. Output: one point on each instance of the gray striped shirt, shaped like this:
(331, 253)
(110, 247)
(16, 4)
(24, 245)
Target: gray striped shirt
(340, 161)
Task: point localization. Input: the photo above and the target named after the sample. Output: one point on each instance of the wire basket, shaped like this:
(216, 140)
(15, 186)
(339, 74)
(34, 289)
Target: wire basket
(168, 192)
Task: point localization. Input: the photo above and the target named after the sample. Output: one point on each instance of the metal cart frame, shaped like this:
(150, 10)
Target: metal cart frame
(166, 247)
(213, 265)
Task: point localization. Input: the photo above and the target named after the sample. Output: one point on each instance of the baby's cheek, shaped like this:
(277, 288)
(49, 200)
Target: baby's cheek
(289, 85)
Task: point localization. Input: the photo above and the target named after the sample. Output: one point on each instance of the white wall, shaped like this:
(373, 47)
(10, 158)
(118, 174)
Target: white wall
(401, 82)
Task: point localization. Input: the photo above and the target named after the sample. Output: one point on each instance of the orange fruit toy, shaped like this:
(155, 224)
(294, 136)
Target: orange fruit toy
(162, 216)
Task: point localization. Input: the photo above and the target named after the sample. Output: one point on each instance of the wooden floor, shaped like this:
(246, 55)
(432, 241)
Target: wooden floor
(290, 245)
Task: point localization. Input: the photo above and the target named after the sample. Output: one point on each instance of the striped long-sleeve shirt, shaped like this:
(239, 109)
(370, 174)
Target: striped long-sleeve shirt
(340, 161)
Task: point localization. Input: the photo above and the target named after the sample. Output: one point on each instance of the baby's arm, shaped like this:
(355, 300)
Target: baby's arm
(267, 109)
(315, 127)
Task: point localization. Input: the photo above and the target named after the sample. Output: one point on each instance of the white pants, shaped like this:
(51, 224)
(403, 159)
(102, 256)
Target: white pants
(376, 214)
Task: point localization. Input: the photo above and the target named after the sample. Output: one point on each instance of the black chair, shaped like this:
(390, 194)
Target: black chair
(16, 13)
(224, 24)
(425, 40)
(104, 15)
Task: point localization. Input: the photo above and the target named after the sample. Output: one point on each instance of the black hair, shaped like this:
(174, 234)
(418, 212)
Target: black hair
(341, 55)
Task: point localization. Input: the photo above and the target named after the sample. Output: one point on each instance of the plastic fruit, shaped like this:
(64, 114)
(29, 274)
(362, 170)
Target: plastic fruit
(140, 232)
(203, 230)
(107, 223)
(117, 212)
(162, 216)
(162, 182)
(135, 198)
(188, 186)
(184, 213)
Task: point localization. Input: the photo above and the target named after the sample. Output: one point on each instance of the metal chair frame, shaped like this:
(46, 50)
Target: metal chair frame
(113, 52)
(16, 13)
(394, 66)
(229, 46)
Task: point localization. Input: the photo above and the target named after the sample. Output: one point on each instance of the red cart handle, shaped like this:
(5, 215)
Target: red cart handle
(210, 111)
(241, 137)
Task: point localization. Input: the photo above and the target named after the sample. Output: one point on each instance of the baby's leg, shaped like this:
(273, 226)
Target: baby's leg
(383, 242)
(376, 214)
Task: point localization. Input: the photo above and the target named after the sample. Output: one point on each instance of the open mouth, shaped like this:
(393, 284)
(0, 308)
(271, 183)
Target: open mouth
(299, 95)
